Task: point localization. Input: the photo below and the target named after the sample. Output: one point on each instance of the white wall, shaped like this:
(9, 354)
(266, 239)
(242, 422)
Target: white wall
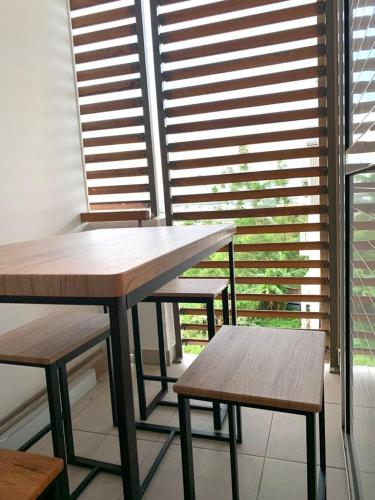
(42, 187)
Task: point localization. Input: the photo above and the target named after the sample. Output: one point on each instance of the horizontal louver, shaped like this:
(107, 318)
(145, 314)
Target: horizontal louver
(113, 99)
(242, 100)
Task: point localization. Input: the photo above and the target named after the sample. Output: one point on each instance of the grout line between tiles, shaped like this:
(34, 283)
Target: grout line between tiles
(265, 456)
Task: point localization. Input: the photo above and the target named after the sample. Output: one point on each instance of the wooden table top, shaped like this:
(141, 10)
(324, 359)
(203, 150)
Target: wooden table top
(269, 367)
(104, 262)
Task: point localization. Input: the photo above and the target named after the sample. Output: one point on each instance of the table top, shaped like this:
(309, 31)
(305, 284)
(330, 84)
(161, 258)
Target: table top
(271, 367)
(104, 262)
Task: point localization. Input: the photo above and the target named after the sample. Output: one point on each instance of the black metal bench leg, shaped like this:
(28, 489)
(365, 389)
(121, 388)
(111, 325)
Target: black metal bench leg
(111, 381)
(138, 365)
(322, 493)
(67, 418)
(211, 333)
(186, 448)
(311, 456)
(225, 305)
(162, 361)
(233, 452)
(57, 430)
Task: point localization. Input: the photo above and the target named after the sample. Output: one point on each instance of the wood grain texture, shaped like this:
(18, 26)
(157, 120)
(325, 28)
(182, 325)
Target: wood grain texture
(102, 263)
(115, 216)
(194, 287)
(262, 366)
(24, 476)
(51, 337)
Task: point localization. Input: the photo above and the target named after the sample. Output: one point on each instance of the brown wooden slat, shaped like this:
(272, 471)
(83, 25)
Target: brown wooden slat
(246, 83)
(245, 102)
(132, 121)
(250, 195)
(276, 247)
(251, 212)
(107, 53)
(112, 216)
(281, 280)
(254, 297)
(220, 161)
(286, 173)
(264, 264)
(116, 173)
(283, 228)
(285, 56)
(268, 137)
(119, 205)
(108, 71)
(118, 156)
(113, 139)
(130, 188)
(105, 88)
(81, 4)
(244, 22)
(106, 16)
(119, 104)
(103, 35)
(179, 16)
(252, 42)
(247, 121)
(255, 313)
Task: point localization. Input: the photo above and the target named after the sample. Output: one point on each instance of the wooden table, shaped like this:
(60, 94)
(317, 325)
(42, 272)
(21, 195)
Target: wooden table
(115, 268)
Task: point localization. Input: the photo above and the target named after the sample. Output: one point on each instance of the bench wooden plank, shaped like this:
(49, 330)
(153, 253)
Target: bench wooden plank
(51, 337)
(192, 287)
(268, 367)
(24, 476)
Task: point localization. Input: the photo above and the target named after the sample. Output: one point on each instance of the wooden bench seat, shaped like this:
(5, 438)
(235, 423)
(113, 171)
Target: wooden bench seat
(50, 338)
(259, 366)
(25, 476)
(192, 287)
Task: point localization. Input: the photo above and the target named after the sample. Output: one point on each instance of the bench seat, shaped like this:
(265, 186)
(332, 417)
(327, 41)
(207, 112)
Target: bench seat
(192, 287)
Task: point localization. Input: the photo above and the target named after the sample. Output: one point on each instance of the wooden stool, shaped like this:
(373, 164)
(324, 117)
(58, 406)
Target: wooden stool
(273, 369)
(50, 343)
(200, 291)
(26, 476)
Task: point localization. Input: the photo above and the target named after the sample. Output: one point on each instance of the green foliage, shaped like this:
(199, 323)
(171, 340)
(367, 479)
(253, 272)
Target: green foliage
(264, 289)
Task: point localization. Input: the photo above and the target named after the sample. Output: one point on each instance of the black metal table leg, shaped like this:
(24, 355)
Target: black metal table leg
(57, 430)
(67, 418)
(311, 458)
(186, 447)
(225, 305)
(139, 365)
(211, 333)
(233, 453)
(161, 345)
(111, 380)
(124, 399)
(232, 280)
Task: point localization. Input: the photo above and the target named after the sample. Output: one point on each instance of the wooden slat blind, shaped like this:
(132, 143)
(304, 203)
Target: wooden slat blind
(112, 84)
(242, 102)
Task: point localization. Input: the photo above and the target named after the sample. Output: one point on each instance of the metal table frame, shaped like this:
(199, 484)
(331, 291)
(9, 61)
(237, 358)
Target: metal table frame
(121, 358)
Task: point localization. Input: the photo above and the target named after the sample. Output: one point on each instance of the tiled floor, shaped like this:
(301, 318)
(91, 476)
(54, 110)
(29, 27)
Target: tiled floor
(271, 458)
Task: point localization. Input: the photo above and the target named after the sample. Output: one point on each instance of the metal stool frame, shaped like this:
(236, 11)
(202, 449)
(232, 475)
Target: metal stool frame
(314, 492)
(145, 409)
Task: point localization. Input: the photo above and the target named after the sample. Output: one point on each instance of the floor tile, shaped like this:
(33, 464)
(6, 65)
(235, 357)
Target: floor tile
(212, 476)
(284, 480)
(288, 437)
(332, 386)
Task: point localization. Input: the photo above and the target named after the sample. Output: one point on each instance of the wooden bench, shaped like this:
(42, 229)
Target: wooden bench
(26, 476)
(180, 290)
(51, 342)
(273, 369)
